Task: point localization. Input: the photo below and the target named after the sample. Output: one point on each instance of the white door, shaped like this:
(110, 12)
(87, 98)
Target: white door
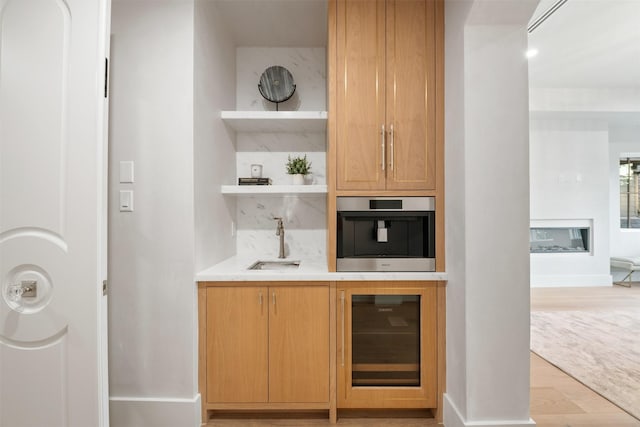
(52, 213)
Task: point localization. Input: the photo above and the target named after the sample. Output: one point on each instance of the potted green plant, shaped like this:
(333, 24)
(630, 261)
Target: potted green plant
(298, 167)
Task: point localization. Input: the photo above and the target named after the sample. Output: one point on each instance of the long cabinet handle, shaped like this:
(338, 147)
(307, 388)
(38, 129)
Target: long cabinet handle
(342, 312)
(391, 147)
(383, 133)
(274, 298)
(260, 297)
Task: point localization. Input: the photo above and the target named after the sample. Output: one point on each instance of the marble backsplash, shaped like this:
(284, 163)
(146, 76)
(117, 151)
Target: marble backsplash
(304, 219)
(306, 64)
(271, 150)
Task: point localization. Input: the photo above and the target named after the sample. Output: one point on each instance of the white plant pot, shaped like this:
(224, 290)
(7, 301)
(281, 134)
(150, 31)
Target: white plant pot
(297, 179)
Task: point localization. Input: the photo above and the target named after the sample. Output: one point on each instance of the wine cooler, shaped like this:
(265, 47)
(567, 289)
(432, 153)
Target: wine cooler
(387, 347)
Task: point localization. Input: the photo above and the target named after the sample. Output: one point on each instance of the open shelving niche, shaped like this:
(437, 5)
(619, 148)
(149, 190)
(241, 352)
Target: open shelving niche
(275, 121)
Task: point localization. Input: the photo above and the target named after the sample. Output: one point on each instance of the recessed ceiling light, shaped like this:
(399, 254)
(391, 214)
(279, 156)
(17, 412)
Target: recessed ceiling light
(531, 53)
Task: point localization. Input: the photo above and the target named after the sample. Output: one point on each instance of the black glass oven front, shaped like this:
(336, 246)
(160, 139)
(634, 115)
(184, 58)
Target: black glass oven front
(389, 234)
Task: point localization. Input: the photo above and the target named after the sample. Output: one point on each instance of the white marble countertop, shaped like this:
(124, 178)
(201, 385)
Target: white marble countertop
(310, 269)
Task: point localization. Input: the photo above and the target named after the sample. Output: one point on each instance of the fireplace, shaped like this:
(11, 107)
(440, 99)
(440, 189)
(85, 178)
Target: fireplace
(561, 236)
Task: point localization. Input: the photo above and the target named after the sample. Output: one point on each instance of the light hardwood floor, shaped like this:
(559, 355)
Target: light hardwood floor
(558, 400)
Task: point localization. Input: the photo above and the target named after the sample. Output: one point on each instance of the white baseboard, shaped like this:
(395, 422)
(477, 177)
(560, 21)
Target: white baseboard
(157, 412)
(453, 418)
(570, 280)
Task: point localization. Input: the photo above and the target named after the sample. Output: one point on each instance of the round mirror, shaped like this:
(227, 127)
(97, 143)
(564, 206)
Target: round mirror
(276, 84)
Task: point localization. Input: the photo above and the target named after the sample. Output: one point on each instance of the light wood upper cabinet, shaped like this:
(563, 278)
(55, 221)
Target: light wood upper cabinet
(267, 345)
(385, 95)
(360, 94)
(411, 94)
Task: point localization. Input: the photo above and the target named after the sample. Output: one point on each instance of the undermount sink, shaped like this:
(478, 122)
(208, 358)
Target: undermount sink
(274, 265)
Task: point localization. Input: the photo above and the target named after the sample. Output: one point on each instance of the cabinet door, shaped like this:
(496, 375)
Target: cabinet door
(387, 340)
(360, 95)
(411, 94)
(299, 344)
(237, 345)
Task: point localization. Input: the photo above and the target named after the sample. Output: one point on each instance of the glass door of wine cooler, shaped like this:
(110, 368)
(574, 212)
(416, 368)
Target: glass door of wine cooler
(385, 331)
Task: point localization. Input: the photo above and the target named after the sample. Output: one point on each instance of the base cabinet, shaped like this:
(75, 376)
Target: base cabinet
(264, 347)
(284, 346)
(237, 345)
(299, 344)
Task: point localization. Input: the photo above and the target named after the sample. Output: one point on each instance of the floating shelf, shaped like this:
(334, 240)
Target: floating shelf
(274, 189)
(276, 121)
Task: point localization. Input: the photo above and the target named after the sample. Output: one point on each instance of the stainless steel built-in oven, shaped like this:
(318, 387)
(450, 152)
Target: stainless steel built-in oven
(386, 234)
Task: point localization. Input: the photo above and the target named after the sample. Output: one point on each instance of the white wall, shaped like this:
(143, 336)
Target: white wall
(570, 182)
(152, 310)
(455, 230)
(487, 205)
(585, 100)
(214, 143)
(624, 140)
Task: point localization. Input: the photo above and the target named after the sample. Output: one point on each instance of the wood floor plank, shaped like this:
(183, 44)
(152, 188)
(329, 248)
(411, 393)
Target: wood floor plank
(549, 400)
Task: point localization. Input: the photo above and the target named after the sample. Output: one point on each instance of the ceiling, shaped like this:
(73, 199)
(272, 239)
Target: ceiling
(587, 44)
(583, 44)
(282, 23)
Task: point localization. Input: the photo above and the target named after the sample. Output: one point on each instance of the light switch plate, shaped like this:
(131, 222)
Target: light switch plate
(126, 172)
(126, 200)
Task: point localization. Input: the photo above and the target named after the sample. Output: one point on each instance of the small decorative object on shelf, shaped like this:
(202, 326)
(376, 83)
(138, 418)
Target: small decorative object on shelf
(256, 171)
(254, 181)
(298, 167)
(276, 84)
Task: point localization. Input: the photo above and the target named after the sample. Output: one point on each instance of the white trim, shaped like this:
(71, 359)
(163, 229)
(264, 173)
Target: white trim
(453, 418)
(102, 164)
(570, 280)
(126, 411)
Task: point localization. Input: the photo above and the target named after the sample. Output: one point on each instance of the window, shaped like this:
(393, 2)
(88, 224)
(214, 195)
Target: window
(629, 202)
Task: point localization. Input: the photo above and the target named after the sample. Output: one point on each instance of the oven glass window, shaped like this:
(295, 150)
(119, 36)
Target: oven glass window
(385, 340)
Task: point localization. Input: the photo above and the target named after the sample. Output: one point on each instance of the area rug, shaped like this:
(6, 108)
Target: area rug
(601, 349)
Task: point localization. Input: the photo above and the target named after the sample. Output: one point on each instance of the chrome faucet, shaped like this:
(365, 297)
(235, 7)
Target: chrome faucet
(280, 232)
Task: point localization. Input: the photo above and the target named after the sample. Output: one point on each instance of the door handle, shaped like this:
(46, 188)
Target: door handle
(391, 147)
(342, 311)
(24, 289)
(383, 146)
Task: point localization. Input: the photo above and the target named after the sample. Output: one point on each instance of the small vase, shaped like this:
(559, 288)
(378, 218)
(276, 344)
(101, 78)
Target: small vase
(297, 179)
